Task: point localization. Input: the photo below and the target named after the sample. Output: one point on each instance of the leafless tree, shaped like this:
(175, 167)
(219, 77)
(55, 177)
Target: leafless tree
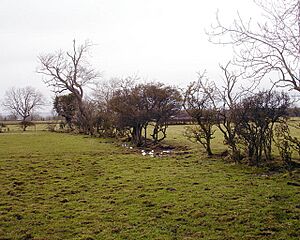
(22, 102)
(269, 46)
(70, 71)
(104, 90)
(199, 105)
(229, 95)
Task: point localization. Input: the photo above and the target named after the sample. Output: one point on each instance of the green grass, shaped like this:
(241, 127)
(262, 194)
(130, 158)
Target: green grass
(59, 186)
(175, 136)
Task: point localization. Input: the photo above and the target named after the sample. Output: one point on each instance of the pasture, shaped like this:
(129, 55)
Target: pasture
(62, 186)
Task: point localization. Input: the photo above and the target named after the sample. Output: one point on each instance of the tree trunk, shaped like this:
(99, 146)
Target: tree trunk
(208, 147)
(145, 134)
(236, 156)
(24, 125)
(86, 123)
(155, 134)
(137, 135)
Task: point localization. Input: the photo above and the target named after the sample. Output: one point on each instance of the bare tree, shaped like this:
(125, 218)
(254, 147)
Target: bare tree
(22, 102)
(70, 71)
(105, 90)
(270, 46)
(199, 105)
(229, 95)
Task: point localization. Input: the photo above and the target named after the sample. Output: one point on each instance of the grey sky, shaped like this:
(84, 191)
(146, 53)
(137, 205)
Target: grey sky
(161, 40)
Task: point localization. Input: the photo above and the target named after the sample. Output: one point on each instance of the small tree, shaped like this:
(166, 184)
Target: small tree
(22, 102)
(162, 103)
(256, 116)
(228, 96)
(139, 105)
(131, 112)
(199, 105)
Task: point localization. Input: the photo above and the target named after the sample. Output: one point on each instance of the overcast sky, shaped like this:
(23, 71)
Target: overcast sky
(162, 40)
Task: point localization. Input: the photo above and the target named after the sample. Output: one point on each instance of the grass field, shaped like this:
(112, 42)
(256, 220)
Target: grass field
(60, 186)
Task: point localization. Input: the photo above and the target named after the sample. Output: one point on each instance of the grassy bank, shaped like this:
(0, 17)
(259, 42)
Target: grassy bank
(59, 186)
